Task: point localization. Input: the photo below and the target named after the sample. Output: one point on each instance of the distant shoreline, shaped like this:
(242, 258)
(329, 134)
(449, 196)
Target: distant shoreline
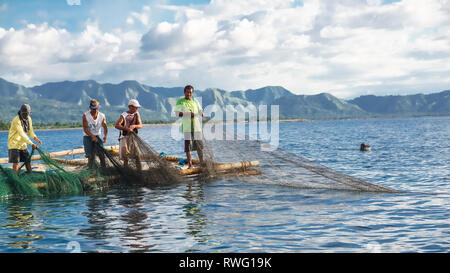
(281, 120)
(81, 128)
(144, 125)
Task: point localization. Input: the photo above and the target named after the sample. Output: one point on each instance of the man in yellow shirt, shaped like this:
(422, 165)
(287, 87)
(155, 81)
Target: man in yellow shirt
(191, 112)
(19, 132)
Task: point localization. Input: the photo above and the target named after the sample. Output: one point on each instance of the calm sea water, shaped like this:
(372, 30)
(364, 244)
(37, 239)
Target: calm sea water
(229, 215)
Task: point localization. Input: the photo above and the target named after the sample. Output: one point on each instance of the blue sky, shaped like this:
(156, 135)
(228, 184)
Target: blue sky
(72, 16)
(346, 48)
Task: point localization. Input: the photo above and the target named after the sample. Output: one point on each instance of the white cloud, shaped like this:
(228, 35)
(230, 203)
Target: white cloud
(333, 32)
(374, 2)
(296, 42)
(143, 17)
(426, 13)
(173, 66)
(343, 47)
(130, 21)
(38, 48)
(2, 32)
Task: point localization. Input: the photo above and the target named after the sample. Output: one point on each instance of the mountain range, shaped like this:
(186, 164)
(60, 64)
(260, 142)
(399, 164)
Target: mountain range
(66, 101)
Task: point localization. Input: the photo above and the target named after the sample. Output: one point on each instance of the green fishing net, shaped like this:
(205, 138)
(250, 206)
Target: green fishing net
(15, 184)
(54, 180)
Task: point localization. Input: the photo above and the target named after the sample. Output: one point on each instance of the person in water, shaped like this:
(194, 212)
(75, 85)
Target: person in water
(93, 122)
(191, 112)
(19, 136)
(128, 123)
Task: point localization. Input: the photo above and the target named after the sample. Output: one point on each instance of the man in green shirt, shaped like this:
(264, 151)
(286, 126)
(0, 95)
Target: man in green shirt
(190, 110)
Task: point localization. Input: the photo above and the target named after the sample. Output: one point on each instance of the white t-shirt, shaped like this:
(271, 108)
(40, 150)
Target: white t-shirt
(94, 125)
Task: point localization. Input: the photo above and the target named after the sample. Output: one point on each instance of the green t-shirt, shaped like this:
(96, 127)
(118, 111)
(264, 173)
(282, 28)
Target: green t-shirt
(184, 105)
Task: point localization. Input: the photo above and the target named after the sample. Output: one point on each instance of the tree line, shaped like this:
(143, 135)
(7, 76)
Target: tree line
(4, 126)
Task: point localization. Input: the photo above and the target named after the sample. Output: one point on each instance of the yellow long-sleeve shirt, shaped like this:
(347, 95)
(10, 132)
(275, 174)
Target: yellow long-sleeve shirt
(17, 138)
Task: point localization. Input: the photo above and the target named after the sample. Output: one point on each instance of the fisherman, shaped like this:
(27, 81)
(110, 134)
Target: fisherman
(93, 122)
(129, 122)
(19, 132)
(190, 110)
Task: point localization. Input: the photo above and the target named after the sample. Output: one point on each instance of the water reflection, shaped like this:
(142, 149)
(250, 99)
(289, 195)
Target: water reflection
(119, 215)
(21, 222)
(197, 220)
(133, 234)
(97, 217)
(156, 219)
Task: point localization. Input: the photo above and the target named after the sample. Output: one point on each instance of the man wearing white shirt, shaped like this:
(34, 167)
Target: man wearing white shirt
(93, 122)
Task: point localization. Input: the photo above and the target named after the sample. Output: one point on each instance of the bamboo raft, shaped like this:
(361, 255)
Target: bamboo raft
(243, 168)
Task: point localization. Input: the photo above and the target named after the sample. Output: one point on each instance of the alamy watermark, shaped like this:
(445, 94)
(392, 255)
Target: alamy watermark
(231, 123)
(73, 247)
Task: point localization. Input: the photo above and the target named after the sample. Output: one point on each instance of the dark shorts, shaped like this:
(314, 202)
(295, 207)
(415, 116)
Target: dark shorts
(193, 145)
(16, 156)
(193, 142)
(89, 147)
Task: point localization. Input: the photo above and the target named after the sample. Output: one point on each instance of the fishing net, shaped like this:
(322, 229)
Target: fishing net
(50, 179)
(279, 167)
(12, 183)
(145, 165)
(71, 176)
(221, 159)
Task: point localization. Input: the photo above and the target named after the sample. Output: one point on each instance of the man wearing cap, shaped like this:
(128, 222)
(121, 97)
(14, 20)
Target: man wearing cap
(129, 122)
(190, 110)
(19, 132)
(93, 122)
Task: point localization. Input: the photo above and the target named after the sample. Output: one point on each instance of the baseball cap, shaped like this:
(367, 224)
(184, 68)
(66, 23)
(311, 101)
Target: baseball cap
(94, 104)
(134, 103)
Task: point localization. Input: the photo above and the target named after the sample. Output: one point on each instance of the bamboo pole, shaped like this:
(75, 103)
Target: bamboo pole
(63, 153)
(236, 165)
(75, 162)
(224, 167)
(175, 159)
(248, 172)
